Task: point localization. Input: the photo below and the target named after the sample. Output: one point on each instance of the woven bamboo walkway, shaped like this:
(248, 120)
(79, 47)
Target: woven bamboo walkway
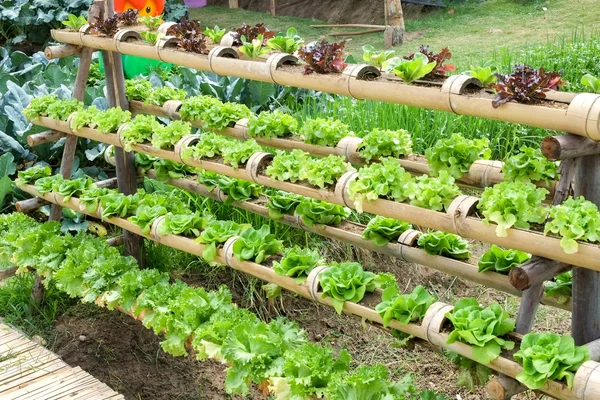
(28, 371)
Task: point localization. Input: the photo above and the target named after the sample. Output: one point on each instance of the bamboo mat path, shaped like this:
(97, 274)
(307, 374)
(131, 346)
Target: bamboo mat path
(28, 371)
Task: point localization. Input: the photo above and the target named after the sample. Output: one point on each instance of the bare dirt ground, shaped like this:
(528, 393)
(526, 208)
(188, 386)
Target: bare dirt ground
(126, 356)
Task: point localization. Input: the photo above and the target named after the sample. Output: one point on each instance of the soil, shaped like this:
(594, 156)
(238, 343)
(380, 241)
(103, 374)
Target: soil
(345, 11)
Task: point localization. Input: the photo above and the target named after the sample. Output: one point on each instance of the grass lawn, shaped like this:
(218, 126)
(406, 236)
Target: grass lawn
(473, 31)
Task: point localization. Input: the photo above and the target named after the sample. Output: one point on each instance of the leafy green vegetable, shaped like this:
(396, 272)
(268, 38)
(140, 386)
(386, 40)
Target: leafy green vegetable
(224, 115)
(145, 215)
(471, 374)
(48, 183)
(501, 260)
(253, 49)
(209, 145)
(315, 211)
(308, 369)
(434, 193)
(72, 188)
(440, 243)
(404, 308)
(456, 154)
(38, 106)
(381, 180)
(215, 34)
(322, 172)
(167, 136)
(158, 96)
(289, 43)
(218, 232)
(574, 220)
(346, 282)
(561, 287)
(512, 204)
(530, 165)
(90, 199)
(237, 153)
(381, 230)
(184, 224)
(139, 130)
(324, 131)
(150, 22)
(238, 189)
(590, 81)
(376, 58)
(297, 262)
(486, 74)
(116, 205)
(166, 170)
(481, 328)
(256, 245)
(283, 203)
(32, 174)
(409, 70)
(385, 143)
(138, 89)
(272, 124)
(288, 166)
(150, 37)
(62, 109)
(75, 22)
(548, 356)
(198, 108)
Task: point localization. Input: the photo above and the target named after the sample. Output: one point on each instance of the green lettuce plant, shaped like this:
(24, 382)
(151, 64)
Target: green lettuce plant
(456, 154)
(256, 245)
(190, 224)
(444, 244)
(158, 96)
(297, 262)
(216, 233)
(509, 204)
(74, 22)
(410, 70)
(482, 328)
(255, 48)
(288, 43)
(530, 165)
(404, 308)
(215, 34)
(381, 230)
(376, 58)
(386, 180)
(288, 166)
(167, 136)
(209, 145)
(237, 153)
(591, 82)
(272, 124)
(283, 203)
(150, 22)
(574, 220)
(548, 356)
(434, 193)
(32, 174)
(385, 143)
(324, 131)
(561, 287)
(322, 172)
(500, 260)
(315, 211)
(238, 189)
(486, 74)
(139, 130)
(346, 282)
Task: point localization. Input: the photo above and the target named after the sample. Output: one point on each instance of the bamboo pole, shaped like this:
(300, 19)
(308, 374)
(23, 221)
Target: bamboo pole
(61, 51)
(348, 26)
(357, 33)
(30, 205)
(44, 137)
(233, 4)
(394, 32)
(503, 387)
(7, 273)
(536, 271)
(581, 116)
(116, 241)
(273, 7)
(568, 146)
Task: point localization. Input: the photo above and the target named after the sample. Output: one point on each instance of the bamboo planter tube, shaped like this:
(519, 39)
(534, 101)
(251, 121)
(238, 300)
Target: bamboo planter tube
(536, 271)
(67, 36)
(568, 146)
(128, 40)
(581, 117)
(61, 51)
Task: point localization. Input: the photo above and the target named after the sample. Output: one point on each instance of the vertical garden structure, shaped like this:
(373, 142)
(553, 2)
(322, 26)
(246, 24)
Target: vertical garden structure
(576, 114)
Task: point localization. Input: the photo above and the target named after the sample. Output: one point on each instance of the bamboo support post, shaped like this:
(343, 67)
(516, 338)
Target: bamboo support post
(7, 273)
(528, 308)
(273, 7)
(44, 137)
(30, 205)
(394, 32)
(116, 241)
(568, 146)
(536, 271)
(61, 51)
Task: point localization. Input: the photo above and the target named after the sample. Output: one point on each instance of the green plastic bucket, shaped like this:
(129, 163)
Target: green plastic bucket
(134, 66)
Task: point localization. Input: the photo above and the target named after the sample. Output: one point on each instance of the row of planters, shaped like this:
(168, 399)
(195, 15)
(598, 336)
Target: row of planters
(186, 44)
(438, 250)
(471, 330)
(468, 161)
(277, 356)
(383, 188)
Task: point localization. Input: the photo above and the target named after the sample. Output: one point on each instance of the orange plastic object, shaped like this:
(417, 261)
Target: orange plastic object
(152, 8)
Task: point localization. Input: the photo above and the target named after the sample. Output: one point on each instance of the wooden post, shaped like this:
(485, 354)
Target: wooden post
(394, 31)
(66, 165)
(125, 165)
(233, 4)
(273, 7)
(585, 318)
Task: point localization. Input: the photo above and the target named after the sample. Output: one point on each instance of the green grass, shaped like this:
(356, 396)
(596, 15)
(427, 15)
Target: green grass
(475, 32)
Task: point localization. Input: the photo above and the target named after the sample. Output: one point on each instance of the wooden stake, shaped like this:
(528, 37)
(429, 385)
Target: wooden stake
(30, 205)
(536, 271)
(585, 321)
(394, 32)
(568, 146)
(503, 388)
(273, 7)
(233, 4)
(126, 174)
(62, 51)
(44, 137)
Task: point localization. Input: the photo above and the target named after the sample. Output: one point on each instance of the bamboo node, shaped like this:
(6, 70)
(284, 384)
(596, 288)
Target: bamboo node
(183, 145)
(171, 108)
(163, 28)
(227, 40)
(409, 237)
(349, 146)
(312, 282)
(121, 129)
(154, 235)
(456, 85)
(255, 163)
(359, 72)
(342, 187)
(277, 60)
(434, 318)
(242, 125)
(585, 111)
(228, 251)
(460, 209)
(220, 52)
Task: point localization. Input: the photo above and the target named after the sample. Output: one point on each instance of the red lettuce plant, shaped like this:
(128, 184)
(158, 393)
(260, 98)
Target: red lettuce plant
(525, 85)
(440, 68)
(128, 18)
(110, 26)
(190, 36)
(251, 33)
(323, 57)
